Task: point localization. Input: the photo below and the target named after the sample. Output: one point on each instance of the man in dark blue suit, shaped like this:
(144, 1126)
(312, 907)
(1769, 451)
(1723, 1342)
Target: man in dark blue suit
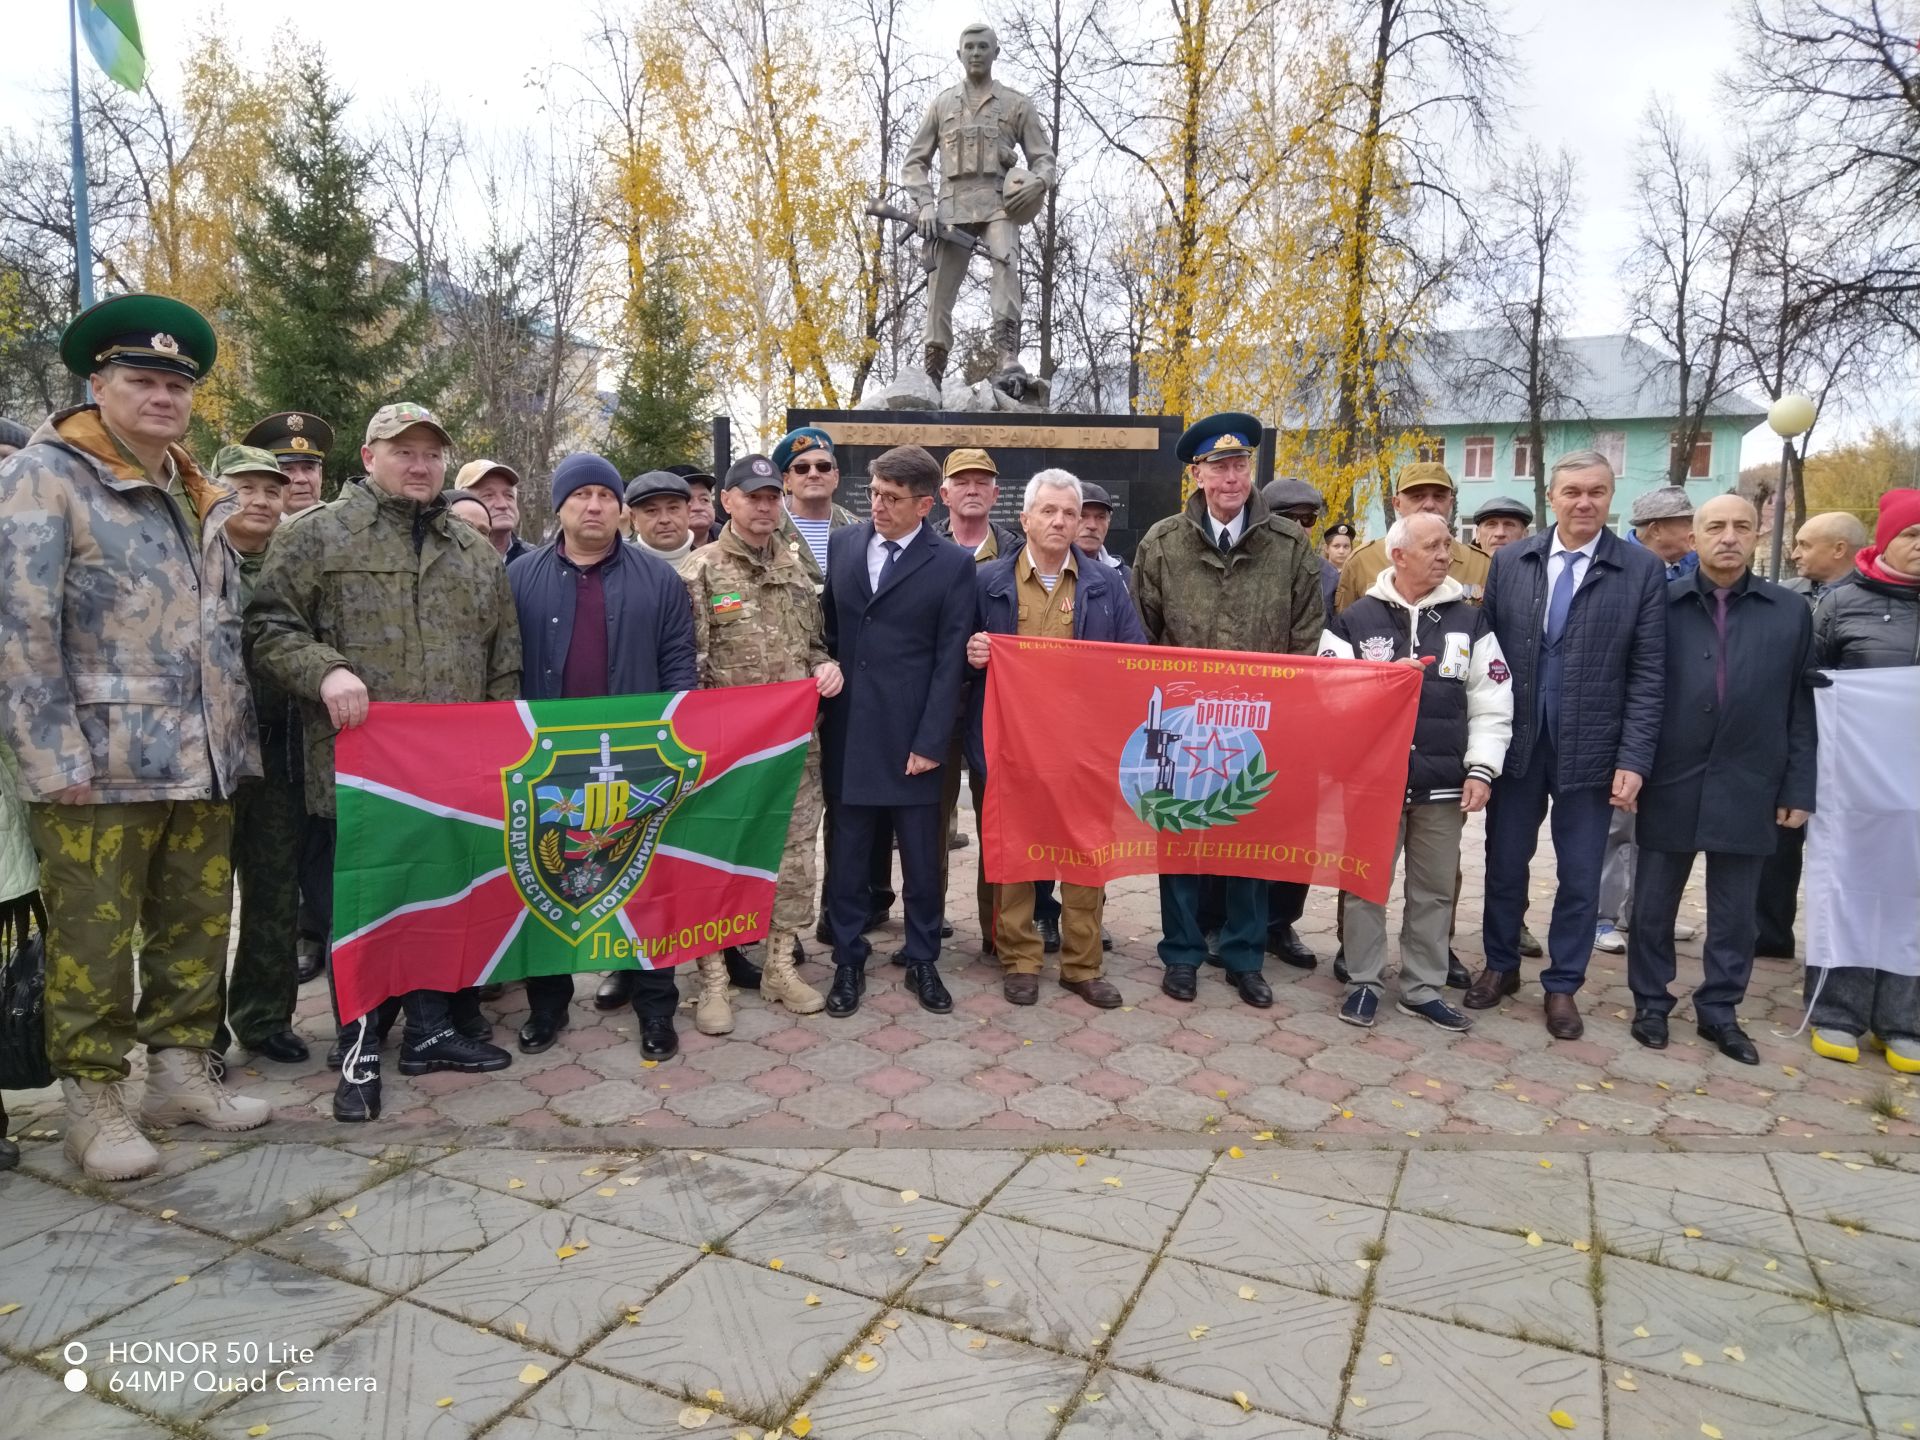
(900, 604)
(1581, 619)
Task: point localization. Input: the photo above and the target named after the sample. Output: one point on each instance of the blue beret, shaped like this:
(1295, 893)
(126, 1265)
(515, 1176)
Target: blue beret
(798, 442)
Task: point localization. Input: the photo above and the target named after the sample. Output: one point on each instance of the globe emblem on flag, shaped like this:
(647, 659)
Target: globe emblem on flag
(585, 808)
(1187, 768)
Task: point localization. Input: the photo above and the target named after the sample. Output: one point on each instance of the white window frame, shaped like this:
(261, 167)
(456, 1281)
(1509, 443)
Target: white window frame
(1468, 445)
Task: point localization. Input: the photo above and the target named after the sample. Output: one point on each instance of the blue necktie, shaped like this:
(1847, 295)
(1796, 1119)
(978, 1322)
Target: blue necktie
(892, 547)
(1561, 601)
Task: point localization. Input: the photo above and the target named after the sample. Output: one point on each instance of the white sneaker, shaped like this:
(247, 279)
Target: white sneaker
(1606, 938)
(101, 1136)
(182, 1090)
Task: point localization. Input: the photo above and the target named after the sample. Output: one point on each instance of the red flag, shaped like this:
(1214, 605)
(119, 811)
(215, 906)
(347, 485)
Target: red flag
(1109, 760)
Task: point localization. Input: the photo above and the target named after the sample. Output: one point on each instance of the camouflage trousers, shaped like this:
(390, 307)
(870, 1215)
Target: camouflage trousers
(162, 866)
(266, 862)
(793, 894)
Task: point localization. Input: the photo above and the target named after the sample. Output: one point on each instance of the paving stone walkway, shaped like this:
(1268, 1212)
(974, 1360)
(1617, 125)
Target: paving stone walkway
(1063, 1069)
(1263, 1290)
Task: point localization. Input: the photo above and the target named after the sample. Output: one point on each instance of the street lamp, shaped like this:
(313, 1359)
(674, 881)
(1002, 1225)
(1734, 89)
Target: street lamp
(1787, 417)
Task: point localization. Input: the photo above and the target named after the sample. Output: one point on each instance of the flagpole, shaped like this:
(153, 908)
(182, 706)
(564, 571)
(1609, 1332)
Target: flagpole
(82, 224)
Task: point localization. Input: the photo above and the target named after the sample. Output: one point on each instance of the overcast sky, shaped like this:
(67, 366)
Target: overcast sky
(1588, 68)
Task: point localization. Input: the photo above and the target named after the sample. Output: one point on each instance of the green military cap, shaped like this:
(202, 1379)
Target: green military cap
(144, 332)
(246, 460)
(1422, 472)
(292, 435)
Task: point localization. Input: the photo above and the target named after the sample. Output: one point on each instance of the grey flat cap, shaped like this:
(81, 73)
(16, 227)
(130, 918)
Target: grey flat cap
(1504, 505)
(657, 482)
(1667, 502)
(1292, 495)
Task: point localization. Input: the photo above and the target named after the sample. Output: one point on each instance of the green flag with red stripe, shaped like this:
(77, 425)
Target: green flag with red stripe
(482, 843)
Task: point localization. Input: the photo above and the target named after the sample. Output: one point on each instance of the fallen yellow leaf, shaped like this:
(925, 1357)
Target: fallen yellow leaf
(567, 1252)
(1386, 1359)
(1240, 1399)
(1546, 1164)
(899, 1249)
(531, 1374)
(692, 1417)
(1364, 1264)
(936, 1239)
(606, 1190)
(1642, 1331)
(812, 1299)
(1346, 1114)
(892, 1322)
(649, 1064)
(1689, 1358)
(776, 1264)
(1626, 1382)
(443, 1402)
(179, 1279)
(589, 1172)
(1079, 1160)
(1096, 1396)
(1734, 1352)
(979, 1342)
(909, 1196)
(993, 1284)
(520, 1327)
(1771, 1265)
(864, 1362)
(516, 1184)
(168, 1214)
(1198, 1332)
(336, 1225)
(1113, 1180)
(1358, 1400)
(1853, 1165)
(9, 1308)
(1583, 1246)
(1533, 1237)
(1263, 1134)
(629, 1179)
(801, 1426)
(1413, 1134)
(1691, 1232)
(1561, 1418)
(716, 1397)
(1711, 1431)
(349, 1212)
(1247, 1292)
(1236, 1153)
(259, 1429)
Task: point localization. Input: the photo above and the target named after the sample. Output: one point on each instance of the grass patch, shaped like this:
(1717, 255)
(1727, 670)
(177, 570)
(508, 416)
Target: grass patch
(1885, 1103)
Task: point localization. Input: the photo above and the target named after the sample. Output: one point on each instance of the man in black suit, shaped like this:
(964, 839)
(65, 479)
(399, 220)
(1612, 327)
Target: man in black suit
(900, 604)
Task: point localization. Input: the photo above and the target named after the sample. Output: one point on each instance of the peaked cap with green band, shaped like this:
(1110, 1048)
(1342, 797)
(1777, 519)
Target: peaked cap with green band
(144, 332)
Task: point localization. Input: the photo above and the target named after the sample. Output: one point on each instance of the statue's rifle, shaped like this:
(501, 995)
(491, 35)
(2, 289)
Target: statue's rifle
(880, 210)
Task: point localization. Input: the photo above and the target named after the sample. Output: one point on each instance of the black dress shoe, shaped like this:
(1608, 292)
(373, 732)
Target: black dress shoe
(823, 932)
(946, 930)
(658, 1039)
(283, 1046)
(1649, 1028)
(1340, 971)
(1049, 935)
(1732, 1041)
(1181, 982)
(742, 973)
(540, 1032)
(923, 979)
(448, 1049)
(491, 992)
(1253, 988)
(849, 983)
(356, 1102)
(1106, 938)
(1286, 946)
(616, 991)
(876, 918)
(1458, 977)
(9, 1153)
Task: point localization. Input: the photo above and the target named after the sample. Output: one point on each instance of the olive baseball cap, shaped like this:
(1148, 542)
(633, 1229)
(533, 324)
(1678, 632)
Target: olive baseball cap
(392, 420)
(1422, 472)
(969, 460)
(474, 471)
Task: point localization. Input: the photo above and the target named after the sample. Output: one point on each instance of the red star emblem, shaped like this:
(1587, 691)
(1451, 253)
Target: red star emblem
(1203, 757)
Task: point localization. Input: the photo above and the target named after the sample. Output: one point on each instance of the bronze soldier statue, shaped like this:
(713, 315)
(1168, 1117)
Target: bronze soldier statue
(978, 130)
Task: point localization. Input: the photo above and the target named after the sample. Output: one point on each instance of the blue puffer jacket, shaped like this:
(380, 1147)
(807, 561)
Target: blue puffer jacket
(1614, 686)
(1102, 610)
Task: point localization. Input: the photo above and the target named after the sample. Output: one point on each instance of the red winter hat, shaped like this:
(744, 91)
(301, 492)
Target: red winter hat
(1898, 510)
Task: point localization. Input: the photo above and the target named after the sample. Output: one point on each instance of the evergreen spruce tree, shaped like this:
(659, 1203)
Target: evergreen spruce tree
(334, 329)
(658, 417)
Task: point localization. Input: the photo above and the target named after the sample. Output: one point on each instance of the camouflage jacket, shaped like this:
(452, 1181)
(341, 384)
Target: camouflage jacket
(1264, 596)
(274, 710)
(756, 620)
(414, 603)
(119, 661)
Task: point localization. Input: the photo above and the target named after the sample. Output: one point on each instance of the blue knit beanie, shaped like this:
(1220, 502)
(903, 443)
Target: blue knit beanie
(585, 469)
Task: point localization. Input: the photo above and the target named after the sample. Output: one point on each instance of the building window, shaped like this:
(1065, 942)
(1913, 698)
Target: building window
(1522, 457)
(1432, 452)
(1613, 445)
(1702, 464)
(1478, 464)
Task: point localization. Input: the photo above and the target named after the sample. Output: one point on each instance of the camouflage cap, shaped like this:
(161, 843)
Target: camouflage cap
(1422, 472)
(390, 421)
(969, 460)
(246, 460)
